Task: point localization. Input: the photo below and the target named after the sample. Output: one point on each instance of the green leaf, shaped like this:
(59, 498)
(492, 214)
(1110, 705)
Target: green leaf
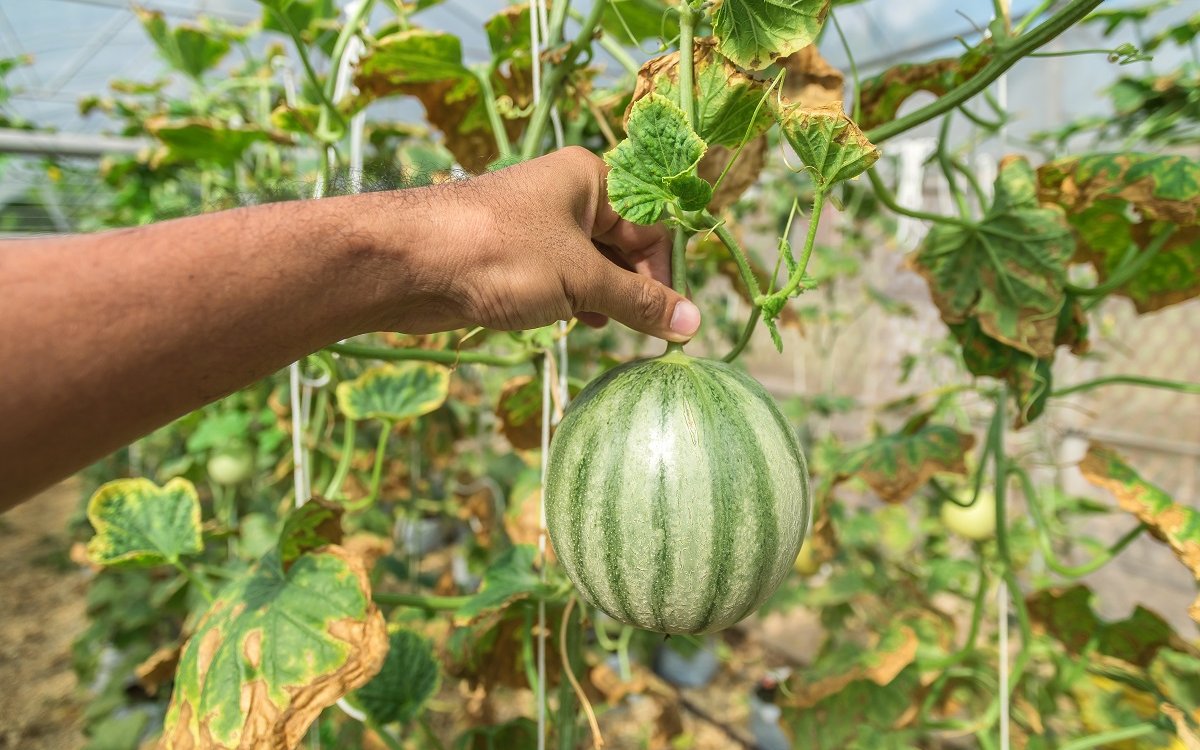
(511, 578)
(1067, 615)
(316, 20)
(409, 57)
(518, 734)
(1120, 202)
(828, 142)
(1007, 272)
(1176, 525)
(202, 139)
(860, 716)
(188, 49)
(693, 192)
(1028, 377)
(275, 649)
(1114, 18)
(634, 21)
(897, 465)
(509, 36)
(139, 523)
(660, 146)
(311, 526)
(753, 33)
(118, 732)
(219, 429)
(396, 393)
(429, 65)
(725, 97)
(1177, 676)
(408, 678)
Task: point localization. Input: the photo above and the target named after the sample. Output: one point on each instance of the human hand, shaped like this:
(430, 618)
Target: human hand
(538, 242)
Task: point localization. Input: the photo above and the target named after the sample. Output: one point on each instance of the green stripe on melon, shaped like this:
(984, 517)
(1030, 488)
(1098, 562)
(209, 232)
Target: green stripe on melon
(677, 495)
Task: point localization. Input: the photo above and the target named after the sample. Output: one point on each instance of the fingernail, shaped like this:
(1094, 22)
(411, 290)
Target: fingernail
(686, 318)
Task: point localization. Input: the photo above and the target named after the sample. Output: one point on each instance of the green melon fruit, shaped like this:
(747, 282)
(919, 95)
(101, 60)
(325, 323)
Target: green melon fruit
(677, 494)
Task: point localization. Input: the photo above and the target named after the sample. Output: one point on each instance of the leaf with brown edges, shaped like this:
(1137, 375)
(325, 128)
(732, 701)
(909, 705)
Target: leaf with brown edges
(1177, 526)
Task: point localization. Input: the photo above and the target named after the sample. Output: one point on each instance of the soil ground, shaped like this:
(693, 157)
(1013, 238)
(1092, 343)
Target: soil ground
(41, 613)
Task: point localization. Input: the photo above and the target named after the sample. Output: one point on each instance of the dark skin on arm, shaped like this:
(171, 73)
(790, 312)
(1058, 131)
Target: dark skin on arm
(106, 337)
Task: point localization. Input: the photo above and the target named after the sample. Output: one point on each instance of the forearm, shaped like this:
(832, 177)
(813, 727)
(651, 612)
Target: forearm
(105, 337)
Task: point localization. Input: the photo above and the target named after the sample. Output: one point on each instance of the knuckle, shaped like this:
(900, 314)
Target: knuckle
(650, 301)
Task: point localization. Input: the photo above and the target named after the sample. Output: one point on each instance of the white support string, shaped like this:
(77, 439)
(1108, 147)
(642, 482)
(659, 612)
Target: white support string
(1005, 719)
(539, 34)
(536, 26)
(910, 187)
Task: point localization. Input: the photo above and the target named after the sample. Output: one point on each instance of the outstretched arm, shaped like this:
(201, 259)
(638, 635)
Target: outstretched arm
(105, 337)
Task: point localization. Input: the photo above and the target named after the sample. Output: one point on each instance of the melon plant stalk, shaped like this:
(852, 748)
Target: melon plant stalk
(677, 495)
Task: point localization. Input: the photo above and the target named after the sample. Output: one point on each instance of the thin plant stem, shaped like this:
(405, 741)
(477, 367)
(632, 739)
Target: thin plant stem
(597, 738)
(1127, 270)
(1046, 544)
(541, 113)
(439, 356)
(977, 602)
(617, 50)
(1002, 546)
(483, 74)
(744, 339)
(1032, 16)
(384, 735)
(856, 108)
(1087, 385)
(196, 581)
(343, 467)
(423, 722)
(1110, 738)
(328, 107)
(886, 197)
(1005, 58)
(687, 93)
(749, 129)
(428, 603)
(679, 261)
(809, 240)
(735, 250)
(943, 158)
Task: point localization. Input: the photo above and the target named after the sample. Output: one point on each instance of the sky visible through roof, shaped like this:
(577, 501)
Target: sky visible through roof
(79, 46)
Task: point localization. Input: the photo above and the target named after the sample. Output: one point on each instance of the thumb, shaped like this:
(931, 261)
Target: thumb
(639, 302)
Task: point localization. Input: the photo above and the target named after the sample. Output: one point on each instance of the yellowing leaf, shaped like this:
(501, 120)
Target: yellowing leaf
(274, 650)
(811, 81)
(897, 465)
(727, 110)
(828, 142)
(725, 97)
(429, 65)
(753, 33)
(139, 523)
(395, 392)
(1118, 203)
(883, 95)
(661, 147)
(1178, 526)
(847, 663)
(1008, 271)
(1067, 615)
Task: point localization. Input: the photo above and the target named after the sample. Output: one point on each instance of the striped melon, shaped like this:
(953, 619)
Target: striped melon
(677, 495)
